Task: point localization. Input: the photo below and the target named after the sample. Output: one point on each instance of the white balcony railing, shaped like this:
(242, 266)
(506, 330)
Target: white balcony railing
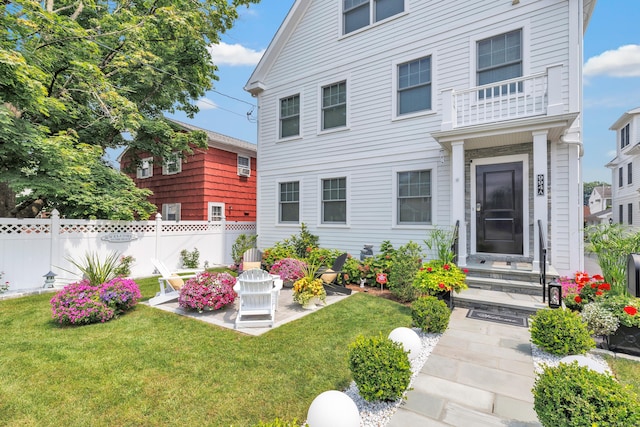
(533, 95)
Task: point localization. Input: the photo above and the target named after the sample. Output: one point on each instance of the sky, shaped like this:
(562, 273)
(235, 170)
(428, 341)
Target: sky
(611, 76)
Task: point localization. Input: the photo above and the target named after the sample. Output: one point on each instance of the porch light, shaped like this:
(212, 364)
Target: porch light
(555, 294)
(49, 279)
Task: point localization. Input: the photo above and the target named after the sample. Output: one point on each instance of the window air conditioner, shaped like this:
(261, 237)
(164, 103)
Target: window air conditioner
(242, 171)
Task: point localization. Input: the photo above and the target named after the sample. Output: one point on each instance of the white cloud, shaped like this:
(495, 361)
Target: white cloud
(622, 62)
(206, 104)
(234, 54)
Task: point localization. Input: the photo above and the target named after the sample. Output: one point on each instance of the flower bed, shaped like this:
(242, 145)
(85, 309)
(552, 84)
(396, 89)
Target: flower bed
(289, 269)
(208, 291)
(436, 277)
(80, 303)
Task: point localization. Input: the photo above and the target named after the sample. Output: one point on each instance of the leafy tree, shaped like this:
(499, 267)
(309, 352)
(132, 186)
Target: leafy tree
(77, 74)
(587, 189)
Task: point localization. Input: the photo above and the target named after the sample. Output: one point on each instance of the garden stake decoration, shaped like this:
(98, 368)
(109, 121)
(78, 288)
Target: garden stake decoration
(382, 279)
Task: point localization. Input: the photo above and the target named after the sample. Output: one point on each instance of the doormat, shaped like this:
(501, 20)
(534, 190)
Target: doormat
(508, 319)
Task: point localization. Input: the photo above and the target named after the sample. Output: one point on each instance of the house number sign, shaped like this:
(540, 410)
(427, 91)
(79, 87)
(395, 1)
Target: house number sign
(541, 185)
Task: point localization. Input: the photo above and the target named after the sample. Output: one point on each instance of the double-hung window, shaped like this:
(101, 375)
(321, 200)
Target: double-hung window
(334, 105)
(171, 211)
(624, 136)
(414, 86)
(290, 116)
(290, 202)
(145, 170)
(216, 212)
(334, 201)
(620, 214)
(244, 165)
(630, 214)
(361, 13)
(630, 173)
(172, 164)
(620, 177)
(499, 58)
(414, 197)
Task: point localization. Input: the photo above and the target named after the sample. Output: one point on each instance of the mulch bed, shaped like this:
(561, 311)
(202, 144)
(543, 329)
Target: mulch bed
(376, 291)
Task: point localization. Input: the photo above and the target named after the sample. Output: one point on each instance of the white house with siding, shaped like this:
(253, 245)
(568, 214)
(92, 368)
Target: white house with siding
(383, 119)
(625, 195)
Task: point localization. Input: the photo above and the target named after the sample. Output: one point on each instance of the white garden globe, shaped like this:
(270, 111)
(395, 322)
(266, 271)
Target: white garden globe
(409, 340)
(333, 409)
(585, 361)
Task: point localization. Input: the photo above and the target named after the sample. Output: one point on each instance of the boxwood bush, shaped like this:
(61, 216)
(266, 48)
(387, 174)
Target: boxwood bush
(570, 395)
(430, 314)
(561, 332)
(380, 368)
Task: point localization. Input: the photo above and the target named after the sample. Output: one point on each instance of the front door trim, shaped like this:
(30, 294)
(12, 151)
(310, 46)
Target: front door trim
(524, 158)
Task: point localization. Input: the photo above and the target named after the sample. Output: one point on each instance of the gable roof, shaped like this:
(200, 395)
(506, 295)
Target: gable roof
(218, 140)
(624, 118)
(255, 84)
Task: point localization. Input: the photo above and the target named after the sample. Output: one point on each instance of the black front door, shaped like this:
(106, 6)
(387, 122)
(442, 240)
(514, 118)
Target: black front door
(499, 208)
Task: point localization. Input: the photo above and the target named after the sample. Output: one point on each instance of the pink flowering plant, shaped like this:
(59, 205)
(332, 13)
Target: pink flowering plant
(81, 303)
(583, 289)
(438, 276)
(289, 269)
(208, 290)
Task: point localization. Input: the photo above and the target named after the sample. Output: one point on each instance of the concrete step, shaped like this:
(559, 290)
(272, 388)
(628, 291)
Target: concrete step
(520, 272)
(499, 302)
(504, 285)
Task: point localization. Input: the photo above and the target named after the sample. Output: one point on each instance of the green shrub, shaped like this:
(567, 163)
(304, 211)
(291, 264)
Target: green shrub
(304, 242)
(242, 243)
(406, 262)
(190, 259)
(430, 314)
(561, 332)
(351, 270)
(570, 395)
(380, 368)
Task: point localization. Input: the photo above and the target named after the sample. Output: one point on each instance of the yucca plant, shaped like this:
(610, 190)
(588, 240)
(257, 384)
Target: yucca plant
(95, 269)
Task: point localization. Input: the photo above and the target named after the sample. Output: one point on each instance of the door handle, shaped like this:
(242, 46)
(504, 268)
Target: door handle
(478, 207)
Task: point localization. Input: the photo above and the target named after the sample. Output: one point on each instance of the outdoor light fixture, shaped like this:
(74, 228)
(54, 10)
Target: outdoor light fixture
(555, 294)
(49, 279)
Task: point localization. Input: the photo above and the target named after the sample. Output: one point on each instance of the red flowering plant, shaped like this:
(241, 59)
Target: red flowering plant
(437, 276)
(208, 291)
(583, 289)
(625, 308)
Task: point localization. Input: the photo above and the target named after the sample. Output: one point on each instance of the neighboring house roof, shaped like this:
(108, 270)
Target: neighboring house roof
(255, 84)
(603, 191)
(218, 140)
(599, 215)
(624, 118)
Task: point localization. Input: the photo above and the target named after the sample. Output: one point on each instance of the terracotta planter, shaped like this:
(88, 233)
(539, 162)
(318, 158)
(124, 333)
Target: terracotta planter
(625, 340)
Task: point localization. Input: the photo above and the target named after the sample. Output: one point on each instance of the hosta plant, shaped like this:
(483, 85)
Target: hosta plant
(208, 291)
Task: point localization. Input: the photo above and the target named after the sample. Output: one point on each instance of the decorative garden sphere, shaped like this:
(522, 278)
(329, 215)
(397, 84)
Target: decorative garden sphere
(585, 361)
(410, 341)
(333, 409)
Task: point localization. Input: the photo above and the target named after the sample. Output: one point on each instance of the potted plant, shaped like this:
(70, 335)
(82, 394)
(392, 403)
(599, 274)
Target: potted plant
(626, 339)
(309, 287)
(438, 278)
(289, 270)
(211, 291)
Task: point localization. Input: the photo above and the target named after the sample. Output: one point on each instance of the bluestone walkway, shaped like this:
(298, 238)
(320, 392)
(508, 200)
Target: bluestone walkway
(479, 374)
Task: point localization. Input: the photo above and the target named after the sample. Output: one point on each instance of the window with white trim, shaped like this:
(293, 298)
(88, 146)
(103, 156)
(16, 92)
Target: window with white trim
(289, 202)
(334, 105)
(630, 173)
(414, 197)
(499, 58)
(290, 116)
(171, 211)
(620, 214)
(361, 13)
(145, 170)
(630, 214)
(334, 201)
(414, 86)
(620, 175)
(216, 212)
(172, 164)
(244, 165)
(624, 136)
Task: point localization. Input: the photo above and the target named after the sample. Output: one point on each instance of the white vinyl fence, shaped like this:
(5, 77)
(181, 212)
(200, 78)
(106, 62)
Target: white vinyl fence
(29, 248)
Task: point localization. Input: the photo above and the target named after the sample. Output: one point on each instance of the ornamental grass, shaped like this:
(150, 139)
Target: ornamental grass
(155, 368)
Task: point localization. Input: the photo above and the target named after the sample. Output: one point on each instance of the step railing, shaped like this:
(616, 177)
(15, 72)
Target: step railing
(454, 242)
(543, 260)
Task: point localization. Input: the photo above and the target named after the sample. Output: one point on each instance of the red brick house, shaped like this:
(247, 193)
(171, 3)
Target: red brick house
(208, 185)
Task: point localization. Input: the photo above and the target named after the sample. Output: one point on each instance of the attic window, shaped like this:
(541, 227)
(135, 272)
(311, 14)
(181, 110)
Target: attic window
(361, 13)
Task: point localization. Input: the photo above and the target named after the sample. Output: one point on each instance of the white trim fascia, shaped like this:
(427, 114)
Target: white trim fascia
(394, 85)
(524, 158)
(525, 25)
(335, 175)
(430, 165)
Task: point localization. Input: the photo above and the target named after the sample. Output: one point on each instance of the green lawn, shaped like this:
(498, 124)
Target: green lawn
(150, 367)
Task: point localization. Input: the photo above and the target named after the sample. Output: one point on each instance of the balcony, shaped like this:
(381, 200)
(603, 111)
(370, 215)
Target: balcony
(533, 95)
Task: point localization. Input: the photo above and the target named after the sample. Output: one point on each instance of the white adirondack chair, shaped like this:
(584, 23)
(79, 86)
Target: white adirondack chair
(170, 283)
(258, 298)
